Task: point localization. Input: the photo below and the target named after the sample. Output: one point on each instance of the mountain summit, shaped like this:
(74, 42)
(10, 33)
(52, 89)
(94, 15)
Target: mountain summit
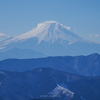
(50, 31)
(51, 39)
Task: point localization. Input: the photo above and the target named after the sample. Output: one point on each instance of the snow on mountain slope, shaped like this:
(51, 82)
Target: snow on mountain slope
(49, 31)
(3, 36)
(52, 39)
(59, 90)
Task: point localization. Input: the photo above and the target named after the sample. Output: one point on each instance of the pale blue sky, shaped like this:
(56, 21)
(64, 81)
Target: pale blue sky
(20, 16)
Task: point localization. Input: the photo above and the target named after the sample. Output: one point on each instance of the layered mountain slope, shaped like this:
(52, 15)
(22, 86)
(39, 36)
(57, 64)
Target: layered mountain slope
(52, 39)
(49, 31)
(81, 65)
(3, 37)
(47, 83)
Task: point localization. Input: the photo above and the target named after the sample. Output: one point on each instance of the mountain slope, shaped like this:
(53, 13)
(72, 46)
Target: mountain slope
(3, 37)
(60, 90)
(81, 65)
(49, 31)
(41, 83)
(20, 53)
(52, 39)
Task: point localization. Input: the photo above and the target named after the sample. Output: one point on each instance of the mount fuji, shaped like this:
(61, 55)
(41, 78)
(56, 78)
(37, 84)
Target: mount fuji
(51, 39)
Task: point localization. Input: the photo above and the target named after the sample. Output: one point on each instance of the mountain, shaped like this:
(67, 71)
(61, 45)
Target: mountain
(52, 39)
(50, 32)
(60, 90)
(20, 53)
(3, 37)
(81, 65)
(43, 83)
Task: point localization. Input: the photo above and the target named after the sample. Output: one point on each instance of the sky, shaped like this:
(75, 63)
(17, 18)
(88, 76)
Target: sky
(82, 16)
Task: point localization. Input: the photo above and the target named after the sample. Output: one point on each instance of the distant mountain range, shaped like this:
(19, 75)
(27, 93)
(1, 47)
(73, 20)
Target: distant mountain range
(49, 38)
(80, 65)
(47, 84)
(20, 53)
(36, 65)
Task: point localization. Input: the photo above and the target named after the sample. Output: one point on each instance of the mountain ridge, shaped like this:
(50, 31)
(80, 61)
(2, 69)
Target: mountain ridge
(38, 83)
(80, 65)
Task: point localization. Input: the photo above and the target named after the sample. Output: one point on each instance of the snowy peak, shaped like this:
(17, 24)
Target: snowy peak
(50, 38)
(50, 23)
(59, 90)
(50, 31)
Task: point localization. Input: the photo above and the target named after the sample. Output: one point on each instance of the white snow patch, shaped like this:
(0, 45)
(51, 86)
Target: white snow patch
(61, 90)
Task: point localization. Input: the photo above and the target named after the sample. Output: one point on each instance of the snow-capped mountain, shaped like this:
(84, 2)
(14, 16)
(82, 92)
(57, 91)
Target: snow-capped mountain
(63, 91)
(60, 90)
(49, 31)
(51, 39)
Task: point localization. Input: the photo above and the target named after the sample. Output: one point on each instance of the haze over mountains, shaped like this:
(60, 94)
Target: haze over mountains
(49, 38)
